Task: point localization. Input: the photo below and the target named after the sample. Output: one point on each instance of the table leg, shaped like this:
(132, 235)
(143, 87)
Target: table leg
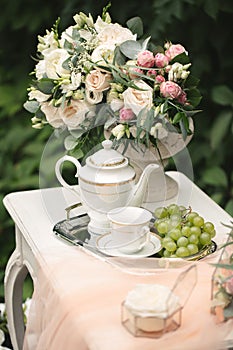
(14, 277)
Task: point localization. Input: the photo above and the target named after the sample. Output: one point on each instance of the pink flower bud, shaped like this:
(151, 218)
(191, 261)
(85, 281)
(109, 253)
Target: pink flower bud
(134, 73)
(161, 60)
(145, 59)
(182, 98)
(152, 72)
(126, 114)
(160, 79)
(170, 89)
(174, 50)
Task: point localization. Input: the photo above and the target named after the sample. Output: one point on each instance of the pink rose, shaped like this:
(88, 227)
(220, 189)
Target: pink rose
(170, 89)
(174, 50)
(161, 60)
(126, 114)
(182, 98)
(146, 59)
(159, 79)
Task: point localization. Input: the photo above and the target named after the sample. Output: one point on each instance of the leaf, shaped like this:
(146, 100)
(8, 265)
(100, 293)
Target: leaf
(70, 142)
(194, 97)
(119, 58)
(181, 58)
(45, 85)
(215, 176)
(130, 48)
(222, 95)
(220, 128)
(177, 117)
(31, 106)
(135, 24)
(211, 7)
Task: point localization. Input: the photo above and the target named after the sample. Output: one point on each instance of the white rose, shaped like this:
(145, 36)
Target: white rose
(75, 113)
(53, 63)
(93, 97)
(100, 24)
(98, 81)
(103, 53)
(152, 299)
(138, 99)
(115, 34)
(52, 115)
(37, 95)
(40, 69)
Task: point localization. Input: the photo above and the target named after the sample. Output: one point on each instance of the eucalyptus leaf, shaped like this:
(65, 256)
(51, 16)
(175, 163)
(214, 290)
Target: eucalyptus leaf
(45, 85)
(135, 24)
(31, 106)
(70, 142)
(131, 48)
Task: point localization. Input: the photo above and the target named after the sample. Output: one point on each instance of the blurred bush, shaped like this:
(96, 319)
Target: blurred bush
(203, 26)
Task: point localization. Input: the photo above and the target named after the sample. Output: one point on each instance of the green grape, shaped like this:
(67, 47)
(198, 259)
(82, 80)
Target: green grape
(166, 253)
(173, 209)
(162, 227)
(195, 230)
(165, 240)
(175, 217)
(191, 216)
(213, 234)
(198, 221)
(205, 238)
(173, 256)
(193, 239)
(186, 231)
(170, 246)
(161, 212)
(182, 241)
(193, 248)
(182, 252)
(208, 227)
(175, 234)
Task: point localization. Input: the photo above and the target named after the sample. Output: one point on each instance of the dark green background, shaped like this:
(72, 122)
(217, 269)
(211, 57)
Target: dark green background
(204, 27)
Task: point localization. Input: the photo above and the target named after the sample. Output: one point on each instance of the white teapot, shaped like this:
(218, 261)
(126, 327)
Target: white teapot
(107, 180)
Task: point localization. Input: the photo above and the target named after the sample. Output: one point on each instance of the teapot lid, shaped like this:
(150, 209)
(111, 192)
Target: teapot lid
(107, 157)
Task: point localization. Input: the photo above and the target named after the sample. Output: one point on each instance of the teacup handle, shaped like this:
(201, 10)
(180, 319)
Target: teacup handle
(58, 169)
(146, 231)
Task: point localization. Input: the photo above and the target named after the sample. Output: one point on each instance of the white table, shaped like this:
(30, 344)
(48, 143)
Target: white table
(35, 213)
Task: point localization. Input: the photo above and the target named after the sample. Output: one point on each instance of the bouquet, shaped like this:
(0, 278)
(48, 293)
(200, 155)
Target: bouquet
(98, 76)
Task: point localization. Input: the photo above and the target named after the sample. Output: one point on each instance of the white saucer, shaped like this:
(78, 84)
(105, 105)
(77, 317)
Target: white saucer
(105, 245)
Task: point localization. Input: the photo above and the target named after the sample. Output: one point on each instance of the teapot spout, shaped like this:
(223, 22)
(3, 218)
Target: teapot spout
(141, 186)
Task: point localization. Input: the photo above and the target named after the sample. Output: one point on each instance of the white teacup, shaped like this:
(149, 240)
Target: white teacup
(129, 227)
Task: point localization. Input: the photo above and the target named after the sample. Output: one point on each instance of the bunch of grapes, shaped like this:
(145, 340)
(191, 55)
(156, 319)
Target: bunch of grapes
(183, 232)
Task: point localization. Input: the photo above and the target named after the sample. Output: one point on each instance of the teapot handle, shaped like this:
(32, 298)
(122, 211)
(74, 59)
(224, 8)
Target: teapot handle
(58, 169)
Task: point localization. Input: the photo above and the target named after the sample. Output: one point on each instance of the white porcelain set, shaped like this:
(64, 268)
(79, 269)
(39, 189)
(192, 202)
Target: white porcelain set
(106, 182)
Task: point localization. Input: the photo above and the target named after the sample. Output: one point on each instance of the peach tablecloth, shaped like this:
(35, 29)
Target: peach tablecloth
(77, 305)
